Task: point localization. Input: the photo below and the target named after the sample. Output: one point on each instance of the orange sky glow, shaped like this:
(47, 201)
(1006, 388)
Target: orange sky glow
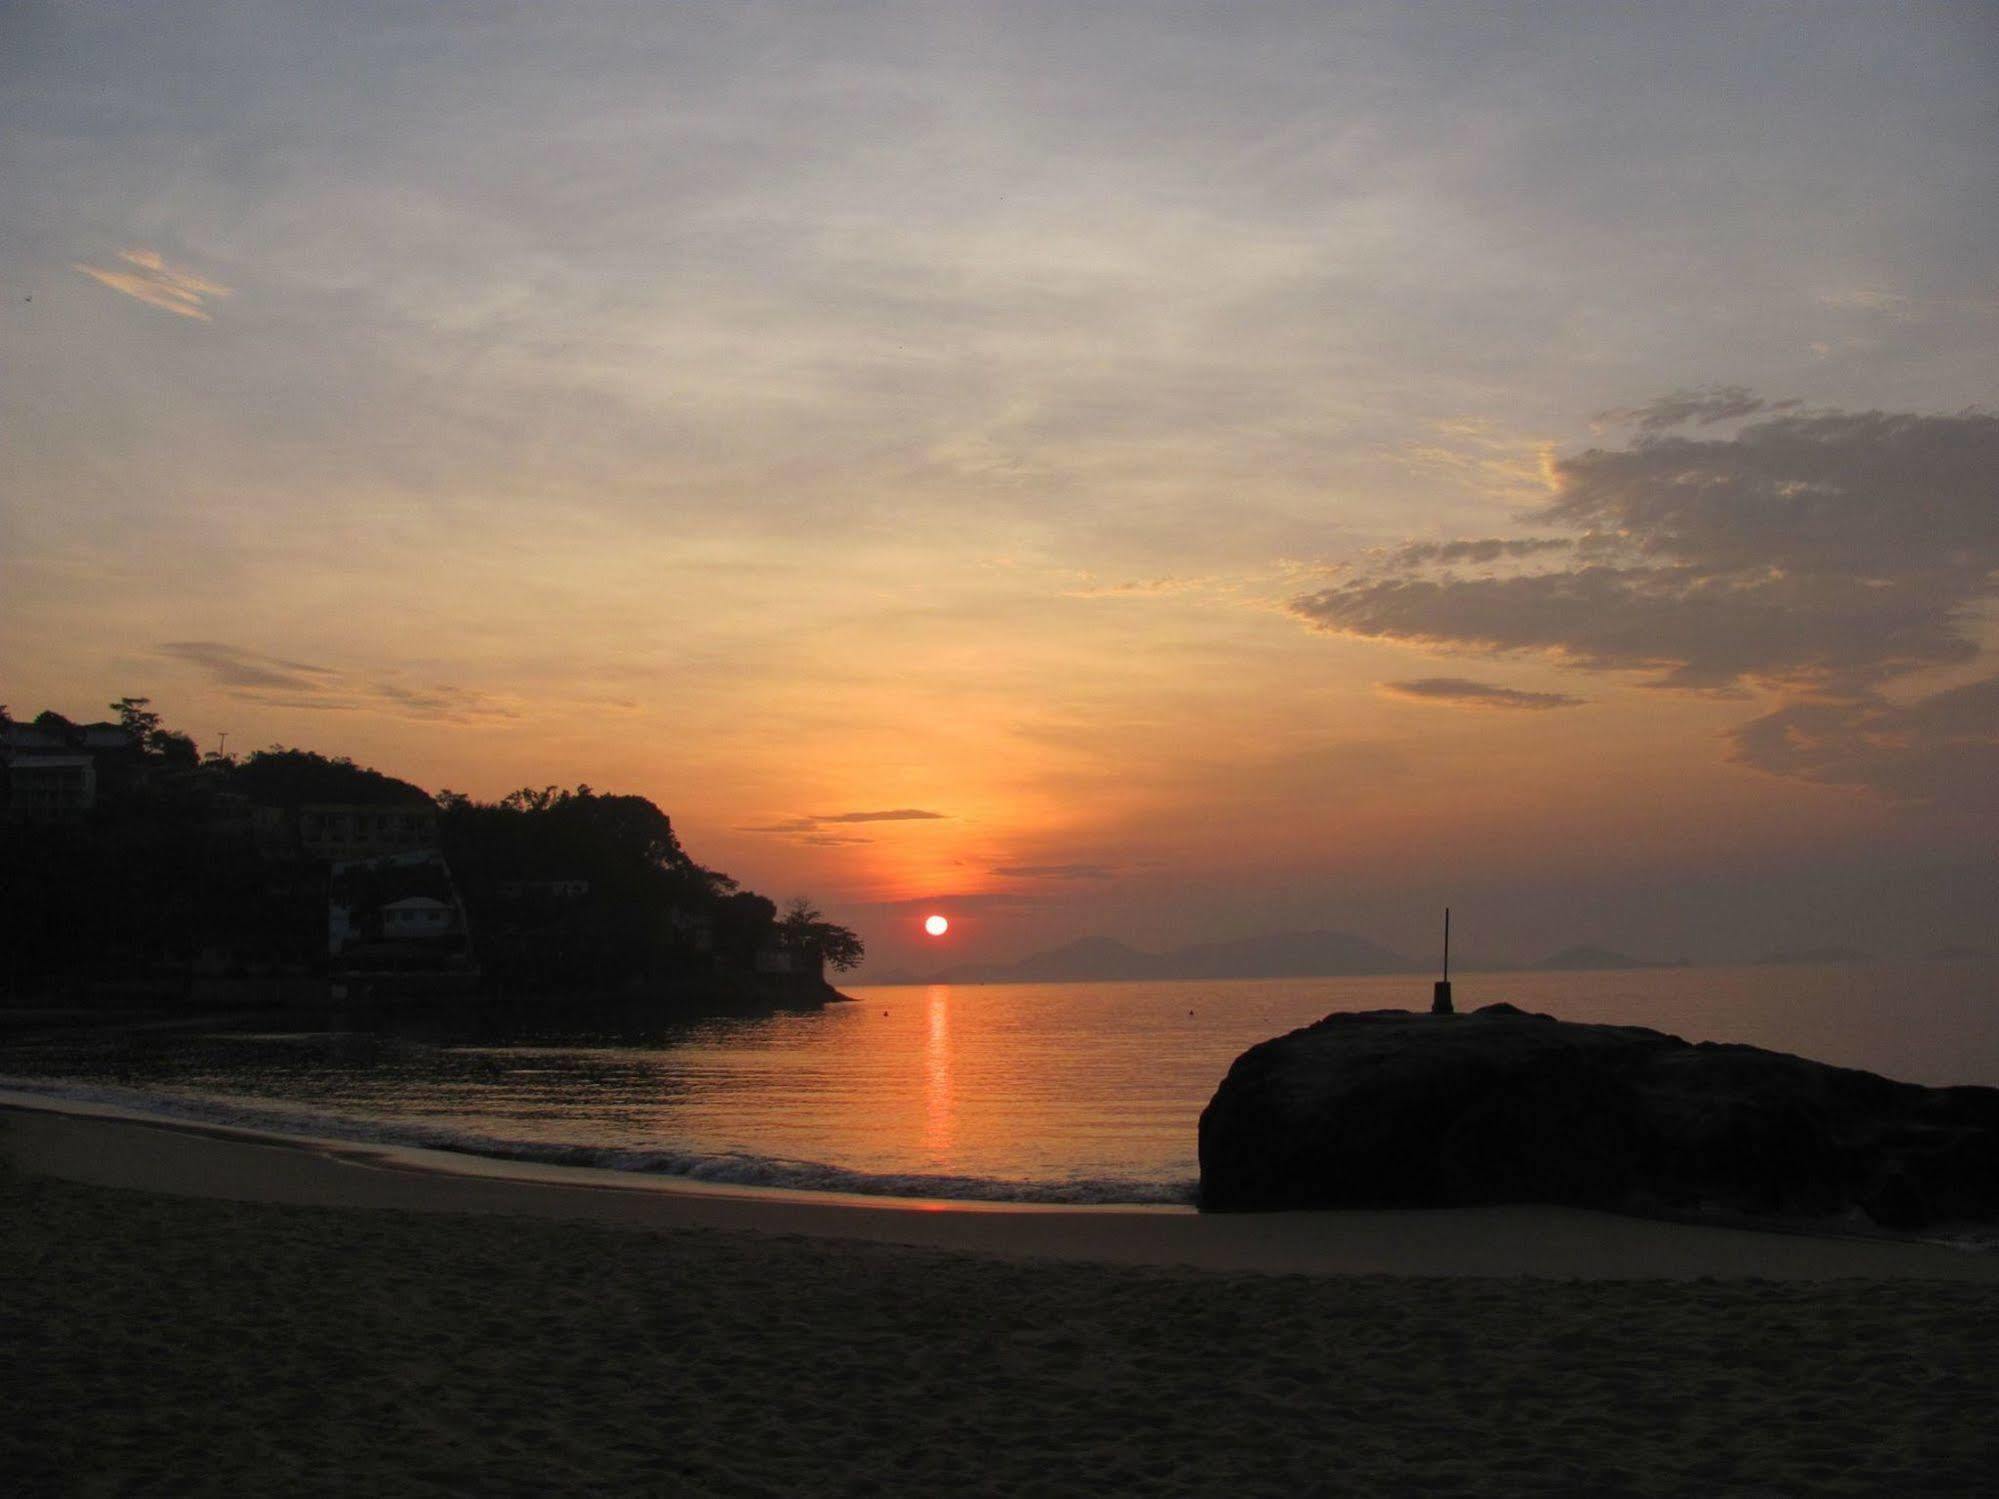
(1173, 481)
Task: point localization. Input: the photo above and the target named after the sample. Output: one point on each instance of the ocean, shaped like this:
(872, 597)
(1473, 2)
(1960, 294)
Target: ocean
(1084, 1093)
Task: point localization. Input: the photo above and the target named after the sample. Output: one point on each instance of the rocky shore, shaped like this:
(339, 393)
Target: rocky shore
(1390, 1108)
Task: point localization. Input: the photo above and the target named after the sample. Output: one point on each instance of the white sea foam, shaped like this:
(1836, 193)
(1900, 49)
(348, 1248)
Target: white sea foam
(732, 1168)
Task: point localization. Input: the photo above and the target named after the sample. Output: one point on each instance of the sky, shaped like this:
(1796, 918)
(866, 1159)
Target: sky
(1172, 472)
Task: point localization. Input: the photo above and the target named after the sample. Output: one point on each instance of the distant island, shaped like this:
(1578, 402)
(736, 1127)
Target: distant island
(141, 870)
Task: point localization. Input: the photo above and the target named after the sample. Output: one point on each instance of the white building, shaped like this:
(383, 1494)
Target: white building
(419, 916)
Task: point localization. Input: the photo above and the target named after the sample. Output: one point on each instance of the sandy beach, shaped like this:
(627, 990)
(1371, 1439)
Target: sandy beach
(188, 1313)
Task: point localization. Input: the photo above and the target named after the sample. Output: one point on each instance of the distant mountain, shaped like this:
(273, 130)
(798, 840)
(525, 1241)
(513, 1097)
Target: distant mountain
(1583, 956)
(1818, 955)
(1275, 955)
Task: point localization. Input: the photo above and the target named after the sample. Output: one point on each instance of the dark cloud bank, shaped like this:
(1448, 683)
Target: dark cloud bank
(1824, 555)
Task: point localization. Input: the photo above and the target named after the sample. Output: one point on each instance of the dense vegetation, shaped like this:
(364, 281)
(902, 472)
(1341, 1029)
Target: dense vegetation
(570, 891)
(650, 912)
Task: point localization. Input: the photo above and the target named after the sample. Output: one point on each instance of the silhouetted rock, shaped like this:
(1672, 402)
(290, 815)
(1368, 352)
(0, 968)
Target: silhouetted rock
(1395, 1109)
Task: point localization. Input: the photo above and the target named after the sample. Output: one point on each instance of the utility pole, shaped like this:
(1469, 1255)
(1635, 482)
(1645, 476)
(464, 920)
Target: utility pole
(1440, 994)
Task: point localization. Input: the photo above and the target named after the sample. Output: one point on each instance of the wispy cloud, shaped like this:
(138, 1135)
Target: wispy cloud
(1462, 692)
(1901, 305)
(1138, 588)
(960, 901)
(232, 666)
(1478, 454)
(280, 683)
(1704, 405)
(1477, 550)
(813, 829)
(147, 276)
(1056, 871)
(896, 814)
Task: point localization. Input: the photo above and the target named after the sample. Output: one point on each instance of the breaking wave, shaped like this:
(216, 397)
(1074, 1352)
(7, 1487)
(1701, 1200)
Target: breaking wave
(726, 1168)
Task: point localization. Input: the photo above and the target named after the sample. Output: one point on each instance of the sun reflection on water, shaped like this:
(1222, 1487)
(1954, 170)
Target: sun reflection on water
(937, 1099)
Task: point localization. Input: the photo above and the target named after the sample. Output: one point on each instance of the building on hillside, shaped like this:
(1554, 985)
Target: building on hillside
(52, 734)
(400, 912)
(56, 770)
(50, 788)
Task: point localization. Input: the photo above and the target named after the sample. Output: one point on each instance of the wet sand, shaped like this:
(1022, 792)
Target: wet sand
(189, 1313)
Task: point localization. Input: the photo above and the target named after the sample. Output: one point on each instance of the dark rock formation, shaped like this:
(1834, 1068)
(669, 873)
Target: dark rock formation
(1395, 1109)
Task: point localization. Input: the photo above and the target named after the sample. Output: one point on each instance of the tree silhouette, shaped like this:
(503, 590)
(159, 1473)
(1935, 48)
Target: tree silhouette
(154, 740)
(805, 930)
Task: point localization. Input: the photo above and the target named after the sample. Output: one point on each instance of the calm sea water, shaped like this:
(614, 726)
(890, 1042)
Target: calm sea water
(1046, 1092)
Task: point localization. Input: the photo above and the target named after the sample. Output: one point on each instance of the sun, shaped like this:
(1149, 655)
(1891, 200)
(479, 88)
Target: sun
(936, 926)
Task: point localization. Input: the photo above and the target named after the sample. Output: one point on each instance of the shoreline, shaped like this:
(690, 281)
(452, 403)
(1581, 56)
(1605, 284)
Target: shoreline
(192, 1309)
(105, 1146)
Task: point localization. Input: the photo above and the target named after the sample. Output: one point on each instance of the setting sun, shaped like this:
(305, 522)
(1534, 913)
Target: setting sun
(936, 926)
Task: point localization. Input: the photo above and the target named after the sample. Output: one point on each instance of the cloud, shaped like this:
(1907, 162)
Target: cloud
(1900, 305)
(1864, 299)
(1706, 405)
(1822, 555)
(230, 666)
(1056, 871)
(958, 902)
(157, 284)
(1138, 588)
(438, 701)
(1478, 454)
(812, 829)
(278, 683)
(1834, 549)
(1943, 748)
(1483, 549)
(898, 814)
(1462, 692)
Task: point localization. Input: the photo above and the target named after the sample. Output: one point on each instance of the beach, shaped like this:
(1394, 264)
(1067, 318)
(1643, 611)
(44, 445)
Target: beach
(193, 1312)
